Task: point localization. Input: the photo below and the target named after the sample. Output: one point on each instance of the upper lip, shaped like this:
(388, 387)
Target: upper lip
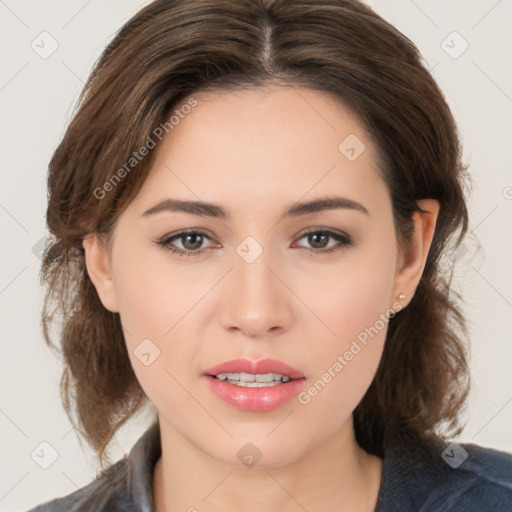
(255, 367)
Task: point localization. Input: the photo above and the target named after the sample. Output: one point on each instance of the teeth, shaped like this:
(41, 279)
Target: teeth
(253, 381)
(254, 384)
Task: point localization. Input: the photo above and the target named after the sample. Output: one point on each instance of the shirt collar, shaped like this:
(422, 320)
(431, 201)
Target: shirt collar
(140, 467)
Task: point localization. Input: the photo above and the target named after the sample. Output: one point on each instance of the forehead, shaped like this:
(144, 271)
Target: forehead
(281, 118)
(273, 142)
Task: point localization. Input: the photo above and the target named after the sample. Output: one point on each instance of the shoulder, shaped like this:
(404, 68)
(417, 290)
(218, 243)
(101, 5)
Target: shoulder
(460, 477)
(126, 486)
(107, 492)
(484, 477)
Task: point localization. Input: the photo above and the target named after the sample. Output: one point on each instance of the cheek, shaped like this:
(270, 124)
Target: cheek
(355, 307)
(157, 304)
(153, 295)
(345, 363)
(142, 305)
(153, 314)
(351, 296)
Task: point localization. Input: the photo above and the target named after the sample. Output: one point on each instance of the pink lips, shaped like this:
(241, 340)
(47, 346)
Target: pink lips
(257, 399)
(262, 366)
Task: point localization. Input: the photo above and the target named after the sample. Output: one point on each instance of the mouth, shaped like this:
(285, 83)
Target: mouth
(251, 380)
(244, 372)
(258, 386)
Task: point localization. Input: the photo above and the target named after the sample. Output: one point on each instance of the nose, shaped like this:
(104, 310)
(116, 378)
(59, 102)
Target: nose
(256, 301)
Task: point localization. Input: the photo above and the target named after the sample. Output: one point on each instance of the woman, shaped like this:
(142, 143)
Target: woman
(249, 210)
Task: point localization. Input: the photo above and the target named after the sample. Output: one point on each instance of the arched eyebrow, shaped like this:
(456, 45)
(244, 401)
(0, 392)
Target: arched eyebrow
(204, 209)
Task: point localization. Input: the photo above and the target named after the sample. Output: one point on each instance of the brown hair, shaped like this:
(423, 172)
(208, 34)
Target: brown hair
(174, 48)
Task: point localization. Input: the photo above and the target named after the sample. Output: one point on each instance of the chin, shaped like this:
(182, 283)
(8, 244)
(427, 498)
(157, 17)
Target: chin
(267, 454)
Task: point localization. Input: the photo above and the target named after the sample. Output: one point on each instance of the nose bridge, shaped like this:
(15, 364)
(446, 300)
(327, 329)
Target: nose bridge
(257, 300)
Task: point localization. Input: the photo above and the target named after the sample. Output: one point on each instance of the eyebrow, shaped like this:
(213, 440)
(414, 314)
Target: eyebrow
(212, 210)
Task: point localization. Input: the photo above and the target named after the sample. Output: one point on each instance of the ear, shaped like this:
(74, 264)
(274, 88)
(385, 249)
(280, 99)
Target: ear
(410, 265)
(98, 265)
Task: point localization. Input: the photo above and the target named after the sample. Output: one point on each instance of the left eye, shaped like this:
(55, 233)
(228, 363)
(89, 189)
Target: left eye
(191, 242)
(317, 238)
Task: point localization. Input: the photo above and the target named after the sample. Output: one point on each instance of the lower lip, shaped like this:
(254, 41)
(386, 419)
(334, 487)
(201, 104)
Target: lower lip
(259, 399)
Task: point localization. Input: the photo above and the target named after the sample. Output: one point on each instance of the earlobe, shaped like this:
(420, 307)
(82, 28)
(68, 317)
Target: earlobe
(99, 270)
(412, 263)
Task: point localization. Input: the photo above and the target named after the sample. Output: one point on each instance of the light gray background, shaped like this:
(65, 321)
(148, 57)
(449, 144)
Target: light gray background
(36, 96)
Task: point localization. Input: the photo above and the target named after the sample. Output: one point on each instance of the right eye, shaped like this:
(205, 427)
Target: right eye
(190, 238)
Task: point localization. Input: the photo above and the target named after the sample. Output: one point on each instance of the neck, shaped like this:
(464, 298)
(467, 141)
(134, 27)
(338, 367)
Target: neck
(335, 475)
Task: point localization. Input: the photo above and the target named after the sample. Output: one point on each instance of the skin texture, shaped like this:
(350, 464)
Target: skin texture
(256, 153)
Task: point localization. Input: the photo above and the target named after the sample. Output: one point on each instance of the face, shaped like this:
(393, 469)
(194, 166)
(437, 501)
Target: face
(313, 289)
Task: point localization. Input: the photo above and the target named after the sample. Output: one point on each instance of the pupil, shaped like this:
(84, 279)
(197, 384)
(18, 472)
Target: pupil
(316, 235)
(194, 245)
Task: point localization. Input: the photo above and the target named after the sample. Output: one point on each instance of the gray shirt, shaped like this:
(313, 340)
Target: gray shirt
(463, 478)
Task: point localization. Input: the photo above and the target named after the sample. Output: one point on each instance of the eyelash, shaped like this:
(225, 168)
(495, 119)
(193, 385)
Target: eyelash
(165, 242)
